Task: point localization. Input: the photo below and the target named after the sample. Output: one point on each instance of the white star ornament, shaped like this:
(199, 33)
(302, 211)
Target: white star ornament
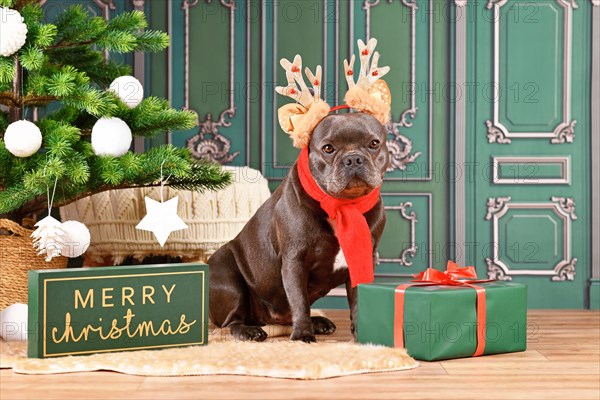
(161, 219)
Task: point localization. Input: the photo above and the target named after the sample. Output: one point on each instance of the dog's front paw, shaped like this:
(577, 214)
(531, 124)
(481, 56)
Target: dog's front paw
(305, 335)
(322, 325)
(353, 330)
(248, 333)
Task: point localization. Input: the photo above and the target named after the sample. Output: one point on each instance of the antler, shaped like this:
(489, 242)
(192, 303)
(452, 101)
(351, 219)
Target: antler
(370, 94)
(293, 74)
(367, 76)
(299, 119)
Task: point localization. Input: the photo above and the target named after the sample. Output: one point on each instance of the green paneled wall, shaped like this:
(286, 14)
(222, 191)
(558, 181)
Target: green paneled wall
(527, 69)
(413, 42)
(535, 54)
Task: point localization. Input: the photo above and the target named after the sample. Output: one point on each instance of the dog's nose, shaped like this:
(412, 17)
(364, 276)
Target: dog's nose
(353, 160)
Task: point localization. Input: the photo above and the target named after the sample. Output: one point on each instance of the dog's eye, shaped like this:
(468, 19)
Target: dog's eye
(328, 149)
(374, 144)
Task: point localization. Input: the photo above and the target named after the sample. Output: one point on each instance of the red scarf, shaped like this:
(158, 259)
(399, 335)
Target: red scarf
(352, 230)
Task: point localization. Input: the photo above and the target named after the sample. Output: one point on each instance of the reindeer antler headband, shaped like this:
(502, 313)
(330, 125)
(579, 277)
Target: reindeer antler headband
(370, 94)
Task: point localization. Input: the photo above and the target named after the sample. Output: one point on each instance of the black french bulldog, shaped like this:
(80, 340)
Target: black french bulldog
(283, 259)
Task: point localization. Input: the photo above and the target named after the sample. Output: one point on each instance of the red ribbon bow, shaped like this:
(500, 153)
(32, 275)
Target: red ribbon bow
(453, 276)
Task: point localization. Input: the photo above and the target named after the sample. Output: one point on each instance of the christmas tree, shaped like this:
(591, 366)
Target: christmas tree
(62, 65)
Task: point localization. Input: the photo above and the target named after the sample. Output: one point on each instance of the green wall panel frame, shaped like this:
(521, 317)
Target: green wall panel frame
(529, 118)
(490, 101)
(413, 37)
(407, 239)
(288, 28)
(206, 69)
(408, 48)
(529, 84)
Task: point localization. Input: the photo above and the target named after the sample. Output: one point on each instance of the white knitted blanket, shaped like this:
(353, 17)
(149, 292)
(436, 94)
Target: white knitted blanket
(213, 217)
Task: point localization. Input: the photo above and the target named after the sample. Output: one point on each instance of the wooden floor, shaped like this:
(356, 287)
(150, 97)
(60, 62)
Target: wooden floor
(563, 362)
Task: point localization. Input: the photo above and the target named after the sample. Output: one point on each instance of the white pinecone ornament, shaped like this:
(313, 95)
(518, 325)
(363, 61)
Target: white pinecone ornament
(48, 237)
(13, 32)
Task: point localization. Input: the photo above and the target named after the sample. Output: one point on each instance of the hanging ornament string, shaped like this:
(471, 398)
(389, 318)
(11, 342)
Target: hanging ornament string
(22, 93)
(51, 199)
(74, 238)
(163, 181)
(161, 218)
(48, 237)
(21, 74)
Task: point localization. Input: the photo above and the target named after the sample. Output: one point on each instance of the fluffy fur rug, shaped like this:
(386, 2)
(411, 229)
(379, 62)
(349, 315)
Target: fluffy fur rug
(273, 358)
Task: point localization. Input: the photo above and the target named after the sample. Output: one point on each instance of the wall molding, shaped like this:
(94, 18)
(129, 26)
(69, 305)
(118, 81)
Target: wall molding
(209, 143)
(106, 6)
(411, 250)
(400, 146)
(563, 161)
(564, 132)
(595, 142)
(274, 66)
(562, 207)
(460, 132)
(406, 212)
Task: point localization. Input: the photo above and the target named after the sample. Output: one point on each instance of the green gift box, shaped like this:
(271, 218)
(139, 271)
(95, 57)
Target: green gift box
(440, 322)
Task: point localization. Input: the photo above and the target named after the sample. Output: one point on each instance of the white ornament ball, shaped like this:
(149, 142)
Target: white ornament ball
(111, 137)
(129, 89)
(23, 138)
(76, 239)
(13, 32)
(13, 323)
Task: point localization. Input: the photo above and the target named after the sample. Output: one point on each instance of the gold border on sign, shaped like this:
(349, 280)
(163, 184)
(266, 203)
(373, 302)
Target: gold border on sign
(123, 276)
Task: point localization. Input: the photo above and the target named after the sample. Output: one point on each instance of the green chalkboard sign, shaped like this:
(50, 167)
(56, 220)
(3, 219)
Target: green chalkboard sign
(93, 310)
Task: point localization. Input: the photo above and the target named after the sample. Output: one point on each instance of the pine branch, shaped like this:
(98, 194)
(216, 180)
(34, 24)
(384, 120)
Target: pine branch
(7, 69)
(63, 63)
(21, 4)
(5, 161)
(92, 101)
(3, 124)
(93, 63)
(7, 99)
(154, 115)
(203, 175)
(36, 101)
(13, 195)
(16, 4)
(41, 35)
(128, 21)
(31, 58)
(105, 173)
(70, 45)
(75, 26)
(117, 41)
(151, 41)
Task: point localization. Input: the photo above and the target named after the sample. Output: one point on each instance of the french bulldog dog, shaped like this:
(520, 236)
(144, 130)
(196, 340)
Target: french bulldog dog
(283, 259)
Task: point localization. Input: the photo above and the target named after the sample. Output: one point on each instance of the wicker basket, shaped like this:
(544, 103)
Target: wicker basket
(17, 256)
